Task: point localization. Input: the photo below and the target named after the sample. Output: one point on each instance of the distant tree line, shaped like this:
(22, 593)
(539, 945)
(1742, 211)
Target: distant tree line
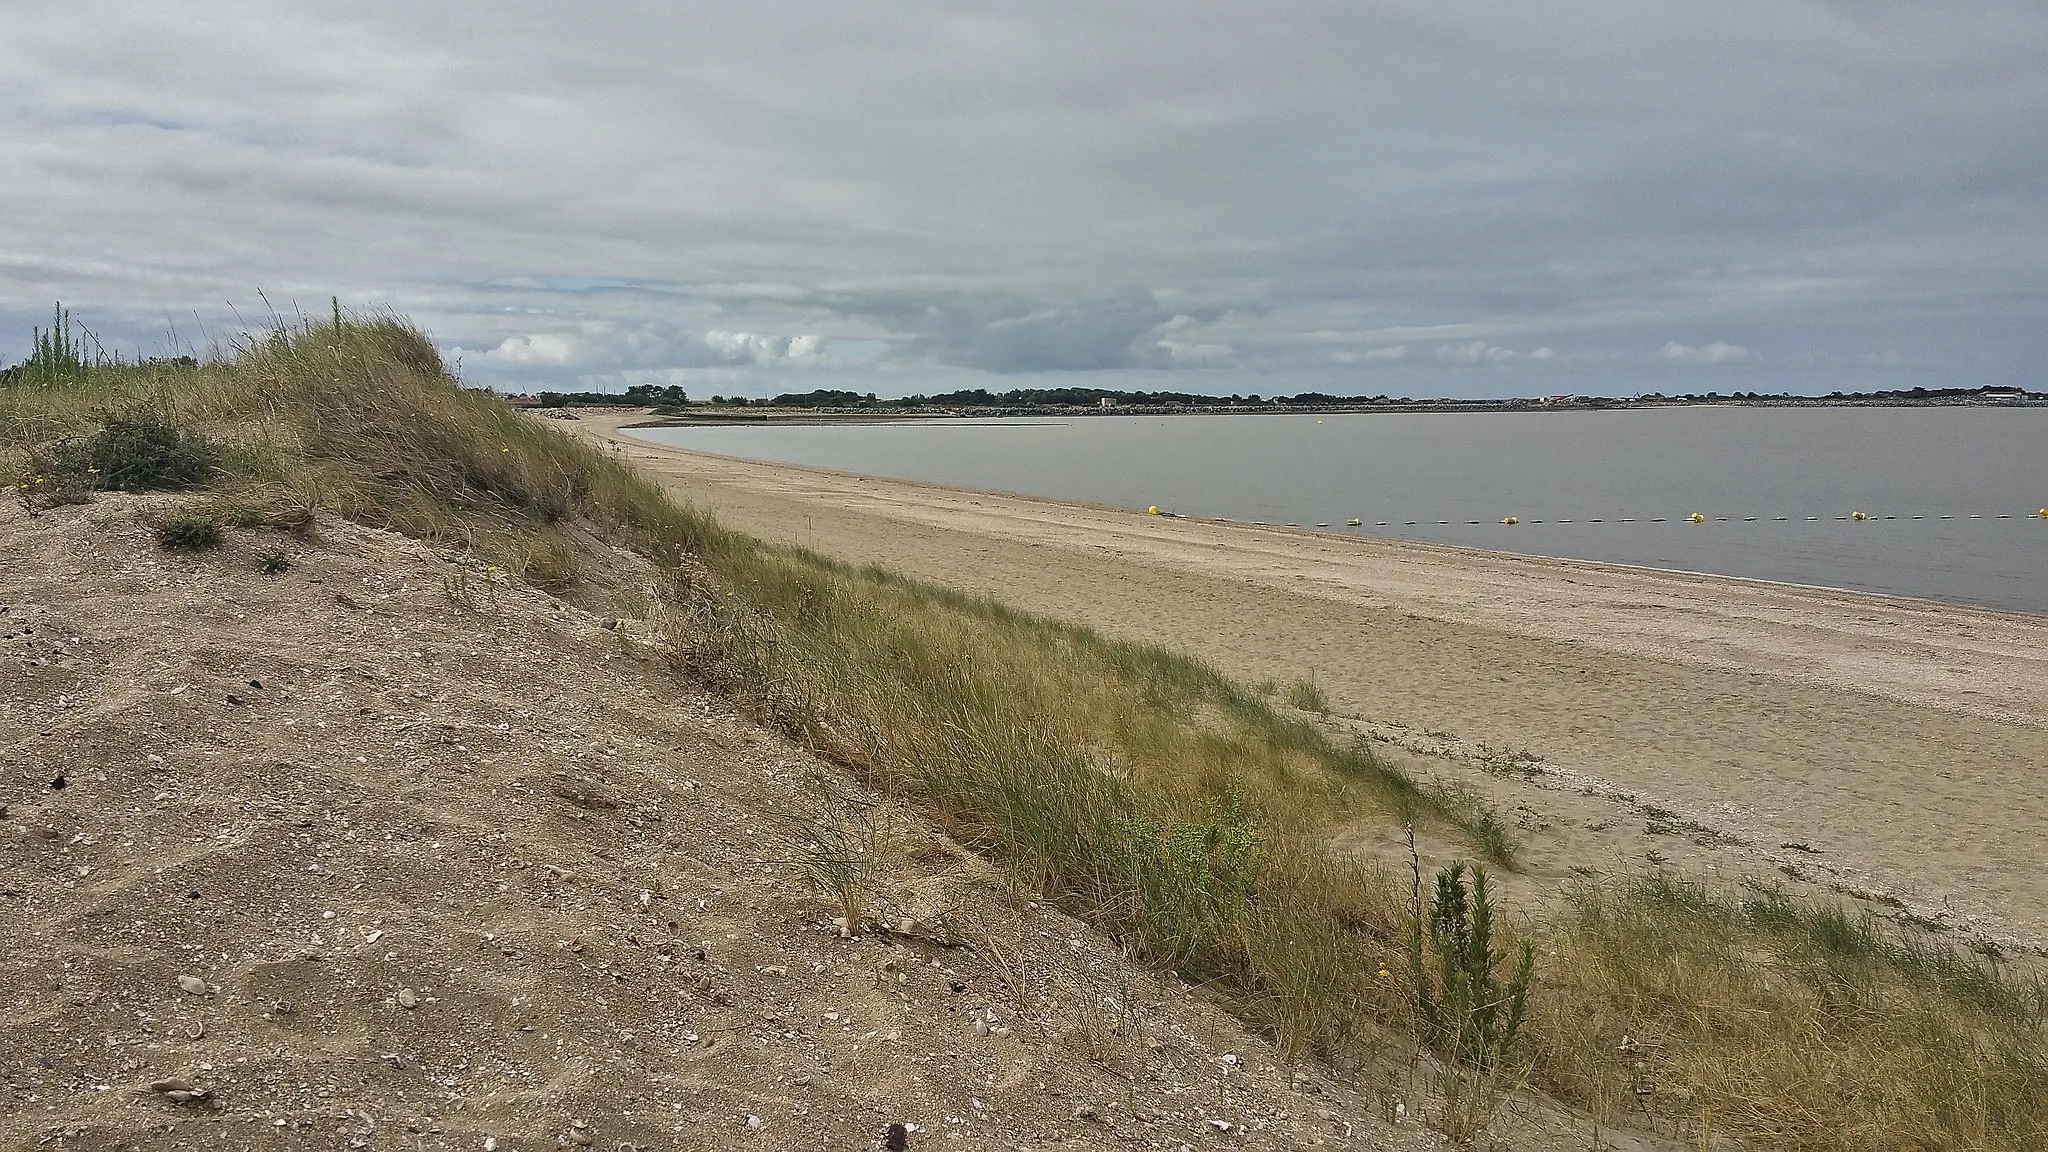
(1048, 397)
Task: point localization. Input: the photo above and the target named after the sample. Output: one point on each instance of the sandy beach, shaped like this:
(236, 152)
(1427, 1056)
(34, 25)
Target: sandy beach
(1886, 748)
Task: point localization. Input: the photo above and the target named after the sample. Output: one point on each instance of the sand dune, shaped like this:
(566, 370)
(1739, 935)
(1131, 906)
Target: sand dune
(1899, 744)
(388, 851)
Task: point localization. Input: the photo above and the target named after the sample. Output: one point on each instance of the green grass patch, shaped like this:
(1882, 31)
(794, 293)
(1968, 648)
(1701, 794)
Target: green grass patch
(189, 534)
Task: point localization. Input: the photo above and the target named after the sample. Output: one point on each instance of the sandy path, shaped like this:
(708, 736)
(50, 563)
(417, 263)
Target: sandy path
(1905, 740)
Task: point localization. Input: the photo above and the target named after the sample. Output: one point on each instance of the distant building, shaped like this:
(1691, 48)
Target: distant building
(2003, 393)
(523, 401)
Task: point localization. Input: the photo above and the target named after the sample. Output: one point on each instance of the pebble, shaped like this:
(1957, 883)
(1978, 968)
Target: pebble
(179, 1091)
(192, 984)
(407, 998)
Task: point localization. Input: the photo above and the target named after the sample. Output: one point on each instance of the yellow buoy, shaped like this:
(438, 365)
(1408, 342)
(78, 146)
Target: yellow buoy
(1858, 516)
(1356, 523)
(1510, 520)
(2043, 513)
(1697, 518)
(1152, 510)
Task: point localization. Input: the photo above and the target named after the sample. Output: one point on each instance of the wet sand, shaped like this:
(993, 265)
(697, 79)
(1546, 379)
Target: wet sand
(1884, 746)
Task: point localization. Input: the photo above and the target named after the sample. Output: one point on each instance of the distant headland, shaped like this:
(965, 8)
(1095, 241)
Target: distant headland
(673, 403)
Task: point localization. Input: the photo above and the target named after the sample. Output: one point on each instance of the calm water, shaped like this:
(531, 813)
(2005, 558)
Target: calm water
(1405, 474)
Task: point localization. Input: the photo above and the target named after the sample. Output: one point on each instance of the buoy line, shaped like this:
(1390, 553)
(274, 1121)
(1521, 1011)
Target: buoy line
(1693, 518)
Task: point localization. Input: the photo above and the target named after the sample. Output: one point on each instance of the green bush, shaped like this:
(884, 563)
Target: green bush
(1468, 1014)
(140, 453)
(189, 533)
(1193, 880)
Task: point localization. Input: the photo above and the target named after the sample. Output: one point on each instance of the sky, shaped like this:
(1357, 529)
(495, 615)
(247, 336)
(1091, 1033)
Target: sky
(1401, 198)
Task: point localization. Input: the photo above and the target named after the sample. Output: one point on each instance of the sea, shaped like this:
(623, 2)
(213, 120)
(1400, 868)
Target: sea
(1941, 503)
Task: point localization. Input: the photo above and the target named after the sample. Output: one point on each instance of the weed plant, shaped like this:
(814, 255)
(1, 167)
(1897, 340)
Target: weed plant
(189, 534)
(1468, 1014)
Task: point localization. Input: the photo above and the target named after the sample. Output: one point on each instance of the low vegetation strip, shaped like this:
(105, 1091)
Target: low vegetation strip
(1182, 813)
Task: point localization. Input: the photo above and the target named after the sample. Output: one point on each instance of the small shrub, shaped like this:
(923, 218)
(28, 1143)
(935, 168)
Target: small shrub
(139, 454)
(840, 845)
(1308, 696)
(189, 533)
(1193, 880)
(549, 563)
(42, 485)
(469, 591)
(1468, 1014)
(273, 562)
(1481, 822)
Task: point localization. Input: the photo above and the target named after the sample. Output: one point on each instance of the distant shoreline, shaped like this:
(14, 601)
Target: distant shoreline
(793, 414)
(1789, 714)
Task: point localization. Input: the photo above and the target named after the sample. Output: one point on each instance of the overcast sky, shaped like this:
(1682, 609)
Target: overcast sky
(1402, 197)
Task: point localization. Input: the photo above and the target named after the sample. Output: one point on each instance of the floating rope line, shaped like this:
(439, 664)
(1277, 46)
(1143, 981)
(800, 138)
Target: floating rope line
(1698, 518)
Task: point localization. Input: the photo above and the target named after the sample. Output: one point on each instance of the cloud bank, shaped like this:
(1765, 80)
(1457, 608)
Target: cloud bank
(1583, 197)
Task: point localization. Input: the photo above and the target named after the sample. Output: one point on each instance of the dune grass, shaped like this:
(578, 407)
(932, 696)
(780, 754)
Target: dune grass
(1175, 809)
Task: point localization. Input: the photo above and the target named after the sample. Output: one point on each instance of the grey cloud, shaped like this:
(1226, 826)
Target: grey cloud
(1857, 189)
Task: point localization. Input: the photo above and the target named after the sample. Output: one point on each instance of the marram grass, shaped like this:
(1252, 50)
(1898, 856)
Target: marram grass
(1172, 807)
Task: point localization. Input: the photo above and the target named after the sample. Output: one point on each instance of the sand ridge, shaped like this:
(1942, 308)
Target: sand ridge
(1898, 743)
(387, 850)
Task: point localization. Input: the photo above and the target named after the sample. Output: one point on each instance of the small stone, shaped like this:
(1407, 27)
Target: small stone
(753, 1122)
(192, 984)
(180, 1091)
(408, 999)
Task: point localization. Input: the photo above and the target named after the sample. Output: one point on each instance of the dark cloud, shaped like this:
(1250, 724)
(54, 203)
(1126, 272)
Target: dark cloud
(1843, 191)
